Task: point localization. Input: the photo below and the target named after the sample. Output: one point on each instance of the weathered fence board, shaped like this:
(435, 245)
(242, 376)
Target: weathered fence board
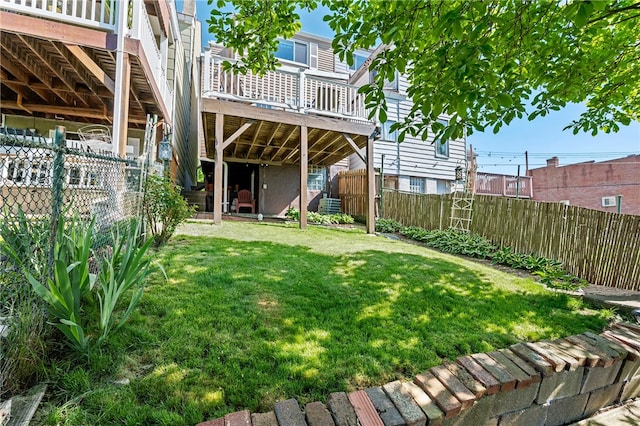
(601, 247)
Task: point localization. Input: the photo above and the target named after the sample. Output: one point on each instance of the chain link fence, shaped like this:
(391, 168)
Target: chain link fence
(43, 180)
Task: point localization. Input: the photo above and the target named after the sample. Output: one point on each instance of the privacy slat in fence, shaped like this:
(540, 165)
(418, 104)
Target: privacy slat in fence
(601, 247)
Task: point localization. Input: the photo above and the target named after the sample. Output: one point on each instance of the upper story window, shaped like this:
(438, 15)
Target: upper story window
(291, 50)
(387, 134)
(358, 60)
(442, 149)
(388, 84)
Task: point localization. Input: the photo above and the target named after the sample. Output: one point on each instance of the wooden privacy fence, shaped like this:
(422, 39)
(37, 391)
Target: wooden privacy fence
(601, 247)
(352, 187)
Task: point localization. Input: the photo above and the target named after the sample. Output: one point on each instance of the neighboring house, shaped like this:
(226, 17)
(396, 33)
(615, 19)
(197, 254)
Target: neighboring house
(612, 185)
(109, 63)
(278, 134)
(426, 167)
(312, 89)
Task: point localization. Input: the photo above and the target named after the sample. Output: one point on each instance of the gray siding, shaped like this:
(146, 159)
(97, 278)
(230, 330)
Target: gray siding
(186, 87)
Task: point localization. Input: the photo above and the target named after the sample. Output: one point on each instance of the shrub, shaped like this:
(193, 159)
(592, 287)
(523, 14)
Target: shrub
(458, 242)
(320, 218)
(68, 293)
(292, 214)
(388, 225)
(164, 208)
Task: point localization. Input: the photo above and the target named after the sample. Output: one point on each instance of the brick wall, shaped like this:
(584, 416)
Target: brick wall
(543, 383)
(585, 184)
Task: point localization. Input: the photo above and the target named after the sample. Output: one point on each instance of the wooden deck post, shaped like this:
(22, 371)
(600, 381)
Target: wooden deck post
(304, 158)
(217, 171)
(371, 188)
(122, 85)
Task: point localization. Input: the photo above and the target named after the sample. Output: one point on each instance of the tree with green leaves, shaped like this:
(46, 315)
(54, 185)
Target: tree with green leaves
(483, 63)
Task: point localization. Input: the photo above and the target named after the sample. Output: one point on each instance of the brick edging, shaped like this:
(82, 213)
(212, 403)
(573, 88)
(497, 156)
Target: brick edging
(546, 383)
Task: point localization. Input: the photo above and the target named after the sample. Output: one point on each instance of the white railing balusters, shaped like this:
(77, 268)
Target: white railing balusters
(289, 90)
(70, 11)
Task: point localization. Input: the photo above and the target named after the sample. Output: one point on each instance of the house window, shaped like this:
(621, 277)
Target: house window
(74, 176)
(316, 178)
(387, 134)
(442, 149)
(442, 187)
(416, 184)
(358, 60)
(294, 51)
(609, 202)
(388, 84)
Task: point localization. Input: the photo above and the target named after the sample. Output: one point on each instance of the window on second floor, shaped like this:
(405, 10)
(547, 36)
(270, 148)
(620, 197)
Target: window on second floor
(388, 84)
(316, 178)
(387, 134)
(358, 60)
(442, 149)
(291, 50)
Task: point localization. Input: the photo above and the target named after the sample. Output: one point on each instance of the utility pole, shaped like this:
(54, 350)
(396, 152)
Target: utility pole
(526, 161)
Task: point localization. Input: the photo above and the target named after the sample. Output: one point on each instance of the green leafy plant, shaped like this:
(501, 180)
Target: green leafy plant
(164, 208)
(23, 246)
(127, 269)
(320, 218)
(315, 217)
(68, 293)
(342, 218)
(388, 225)
(23, 242)
(292, 214)
(71, 281)
(62, 296)
(556, 278)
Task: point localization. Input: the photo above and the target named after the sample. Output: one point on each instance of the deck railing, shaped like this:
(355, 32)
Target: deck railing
(295, 91)
(142, 30)
(89, 13)
(504, 185)
(101, 14)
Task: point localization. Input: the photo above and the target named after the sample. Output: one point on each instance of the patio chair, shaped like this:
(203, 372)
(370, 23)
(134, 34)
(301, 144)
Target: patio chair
(245, 199)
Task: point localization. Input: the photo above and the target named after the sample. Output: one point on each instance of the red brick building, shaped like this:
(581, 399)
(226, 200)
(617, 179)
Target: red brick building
(592, 185)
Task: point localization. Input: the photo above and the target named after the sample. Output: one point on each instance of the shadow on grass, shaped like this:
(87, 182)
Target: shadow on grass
(245, 324)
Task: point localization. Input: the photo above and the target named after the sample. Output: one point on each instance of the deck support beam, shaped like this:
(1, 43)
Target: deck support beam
(304, 159)
(217, 171)
(371, 188)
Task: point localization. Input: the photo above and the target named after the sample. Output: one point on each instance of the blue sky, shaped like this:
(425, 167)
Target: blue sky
(502, 153)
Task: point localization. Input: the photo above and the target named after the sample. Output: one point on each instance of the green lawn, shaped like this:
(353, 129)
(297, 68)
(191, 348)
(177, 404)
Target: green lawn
(255, 313)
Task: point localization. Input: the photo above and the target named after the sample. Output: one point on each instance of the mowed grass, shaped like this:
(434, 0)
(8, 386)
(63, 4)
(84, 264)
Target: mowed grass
(255, 313)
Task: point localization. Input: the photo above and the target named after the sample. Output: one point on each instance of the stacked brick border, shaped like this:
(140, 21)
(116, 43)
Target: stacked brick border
(543, 383)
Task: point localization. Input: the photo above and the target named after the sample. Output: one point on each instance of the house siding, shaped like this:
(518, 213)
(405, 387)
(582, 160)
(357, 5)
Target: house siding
(283, 191)
(413, 157)
(185, 141)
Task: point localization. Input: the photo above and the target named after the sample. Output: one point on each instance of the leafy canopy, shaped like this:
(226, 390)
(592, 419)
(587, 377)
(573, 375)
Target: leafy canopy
(483, 63)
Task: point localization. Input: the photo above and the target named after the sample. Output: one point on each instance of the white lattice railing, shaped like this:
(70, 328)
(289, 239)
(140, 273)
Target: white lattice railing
(89, 13)
(293, 91)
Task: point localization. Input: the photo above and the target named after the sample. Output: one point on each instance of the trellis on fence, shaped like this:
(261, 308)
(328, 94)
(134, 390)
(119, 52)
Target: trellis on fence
(601, 247)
